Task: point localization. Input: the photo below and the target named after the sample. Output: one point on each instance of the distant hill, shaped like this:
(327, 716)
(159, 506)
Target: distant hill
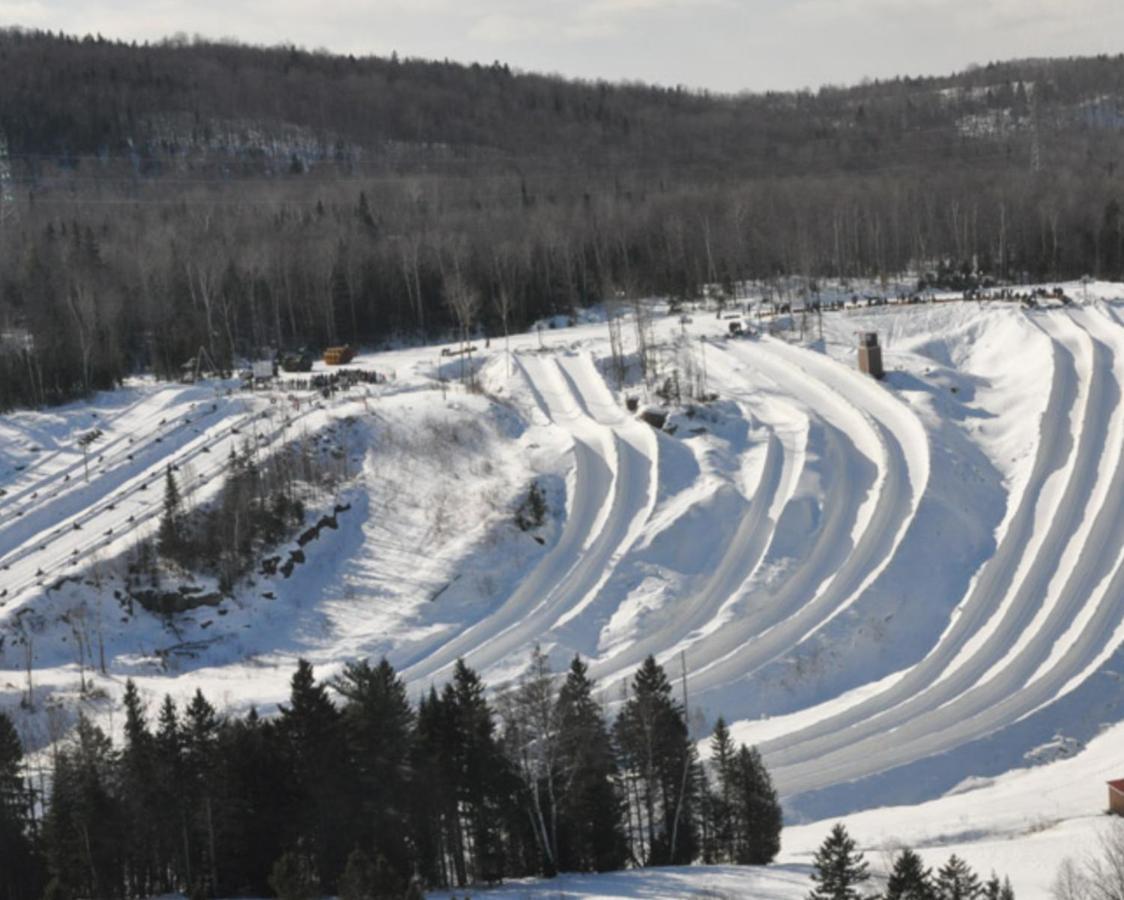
(164, 197)
(66, 98)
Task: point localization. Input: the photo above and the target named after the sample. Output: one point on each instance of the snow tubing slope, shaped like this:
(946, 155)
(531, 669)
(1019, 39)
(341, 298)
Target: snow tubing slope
(868, 578)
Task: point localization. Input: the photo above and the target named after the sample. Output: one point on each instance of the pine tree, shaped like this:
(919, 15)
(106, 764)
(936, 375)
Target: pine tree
(757, 814)
(21, 872)
(252, 780)
(171, 825)
(138, 779)
(957, 881)
(656, 754)
(838, 868)
(994, 889)
(909, 880)
(722, 754)
(480, 776)
(591, 811)
(314, 741)
(169, 538)
(84, 824)
(200, 738)
(379, 724)
(432, 805)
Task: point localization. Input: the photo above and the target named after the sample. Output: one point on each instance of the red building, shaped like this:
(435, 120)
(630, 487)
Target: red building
(1116, 796)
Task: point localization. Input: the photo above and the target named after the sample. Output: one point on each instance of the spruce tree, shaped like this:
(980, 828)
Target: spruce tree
(909, 880)
(83, 828)
(995, 889)
(20, 874)
(722, 755)
(171, 820)
(956, 881)
(480, 776)
(657, 757)
(433, 808)
(315, 745)
(138, 779)
(591, 811)
(379, 723)
(838, 868)
(169, 538)
(757, 814)
(200, 737)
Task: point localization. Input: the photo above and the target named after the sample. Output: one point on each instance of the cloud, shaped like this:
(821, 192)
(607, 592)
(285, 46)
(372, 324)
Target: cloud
(719, 44)
(502, 28)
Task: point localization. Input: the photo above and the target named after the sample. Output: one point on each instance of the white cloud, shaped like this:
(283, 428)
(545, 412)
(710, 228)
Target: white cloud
(721, 44)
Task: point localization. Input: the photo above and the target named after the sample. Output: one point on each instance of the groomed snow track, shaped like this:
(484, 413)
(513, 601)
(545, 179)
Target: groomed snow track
(1038, 616)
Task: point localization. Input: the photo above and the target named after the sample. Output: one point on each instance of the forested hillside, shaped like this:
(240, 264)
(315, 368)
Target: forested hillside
(158, 199)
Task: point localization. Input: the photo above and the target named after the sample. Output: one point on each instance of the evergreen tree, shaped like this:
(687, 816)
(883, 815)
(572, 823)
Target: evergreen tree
(138, 779)
(169, 539)
(838, 868)
(200, 738)
(314, 741)
(657, 756)
(722, 757)
(909, 880)
(83, 827)
(432, 809)
(590, 811)
(479, 778)
(757, 814)
(171, 811)
(995, 889)
(956, 881)
(379, 724)
(21, 872)
(254, 784)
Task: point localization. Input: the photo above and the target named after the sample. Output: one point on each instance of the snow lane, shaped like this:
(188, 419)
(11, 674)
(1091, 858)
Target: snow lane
(105, 455)
(743, 553)
(984, 598)
(980, 706)
(37, 559)
(744, 646)
(612, 487)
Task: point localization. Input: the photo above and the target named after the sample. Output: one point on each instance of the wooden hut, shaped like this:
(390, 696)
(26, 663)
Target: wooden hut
(870, 354)
(339, 356)
(1116, 797)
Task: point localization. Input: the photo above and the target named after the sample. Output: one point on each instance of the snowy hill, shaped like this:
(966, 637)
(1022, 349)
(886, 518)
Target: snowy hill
(908, 593)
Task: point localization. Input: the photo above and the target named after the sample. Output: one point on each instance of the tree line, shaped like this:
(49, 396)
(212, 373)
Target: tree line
(840, 872)
(353, 790)
(160, 200)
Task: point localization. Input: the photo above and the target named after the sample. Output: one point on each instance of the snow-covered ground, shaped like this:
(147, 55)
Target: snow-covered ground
(909, 594)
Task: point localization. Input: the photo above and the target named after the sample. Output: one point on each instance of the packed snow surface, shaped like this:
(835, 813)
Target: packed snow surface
(909, 593)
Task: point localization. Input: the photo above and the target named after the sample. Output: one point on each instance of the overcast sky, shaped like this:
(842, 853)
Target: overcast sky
(725, 45)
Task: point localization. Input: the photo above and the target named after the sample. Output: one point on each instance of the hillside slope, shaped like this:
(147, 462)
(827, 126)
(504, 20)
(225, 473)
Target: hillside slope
(898, 590)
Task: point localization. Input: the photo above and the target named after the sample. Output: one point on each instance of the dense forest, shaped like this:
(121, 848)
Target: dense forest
(352, 790)
(159, 199)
